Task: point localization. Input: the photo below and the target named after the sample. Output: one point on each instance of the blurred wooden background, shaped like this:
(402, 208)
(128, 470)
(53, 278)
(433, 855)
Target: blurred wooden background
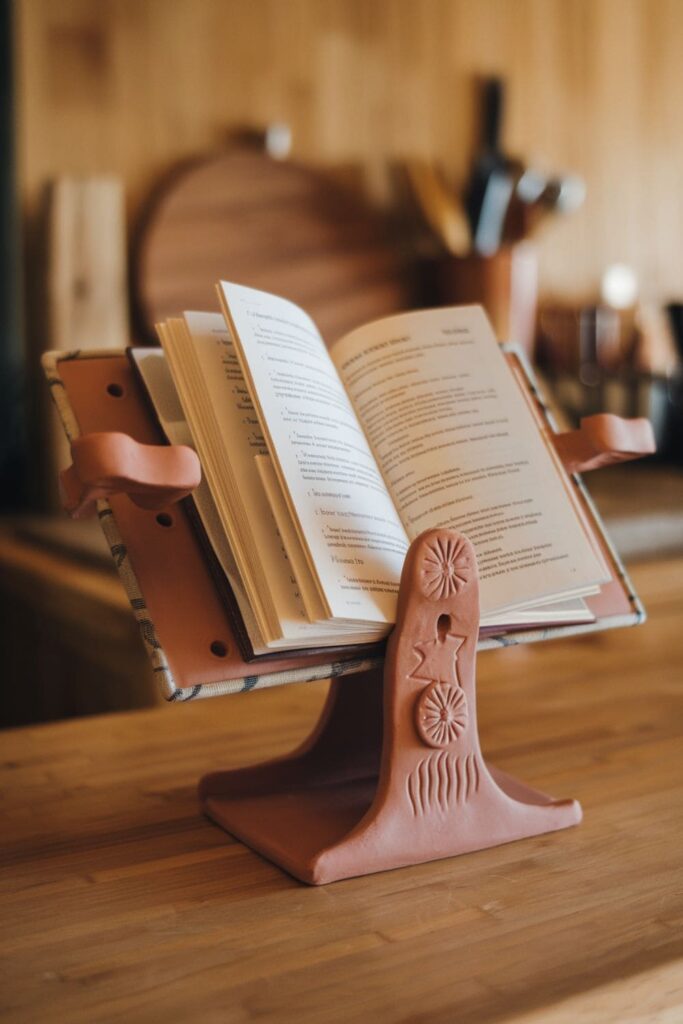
(595, 86)
(127, 88)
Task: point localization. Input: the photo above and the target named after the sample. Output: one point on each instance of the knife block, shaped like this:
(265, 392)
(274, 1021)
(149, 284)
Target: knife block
(393, 773)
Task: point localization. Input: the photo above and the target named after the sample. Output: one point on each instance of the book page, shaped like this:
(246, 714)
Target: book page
(458, 447)
(290, 538)
(294, 548)
(153, 368)
(349, 529)
(226, 417)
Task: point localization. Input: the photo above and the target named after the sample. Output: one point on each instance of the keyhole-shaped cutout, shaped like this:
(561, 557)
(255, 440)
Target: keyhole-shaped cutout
(443, 626)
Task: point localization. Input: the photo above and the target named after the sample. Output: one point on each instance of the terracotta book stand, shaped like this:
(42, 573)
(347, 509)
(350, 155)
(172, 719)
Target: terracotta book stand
(393, 773)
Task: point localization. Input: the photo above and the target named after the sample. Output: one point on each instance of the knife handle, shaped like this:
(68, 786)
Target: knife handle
(493, 108)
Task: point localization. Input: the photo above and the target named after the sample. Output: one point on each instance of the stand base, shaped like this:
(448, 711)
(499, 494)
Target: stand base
(316, 833)
(393, 773)
(322, 814)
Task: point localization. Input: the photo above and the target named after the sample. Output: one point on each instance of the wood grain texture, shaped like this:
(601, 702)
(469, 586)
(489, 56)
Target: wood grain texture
(86, 302)
(119, 901)
(269, 224)
(130, 86)
(86, 264)
(70, 645)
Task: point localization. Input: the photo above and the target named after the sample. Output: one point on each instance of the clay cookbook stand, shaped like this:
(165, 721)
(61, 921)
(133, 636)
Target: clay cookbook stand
(393, 773)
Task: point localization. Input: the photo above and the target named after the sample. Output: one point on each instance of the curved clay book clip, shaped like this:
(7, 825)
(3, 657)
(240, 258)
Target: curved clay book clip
(603, 440)
(104, 464)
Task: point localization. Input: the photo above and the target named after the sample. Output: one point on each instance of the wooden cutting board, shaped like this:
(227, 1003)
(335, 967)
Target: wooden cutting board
(289, 229)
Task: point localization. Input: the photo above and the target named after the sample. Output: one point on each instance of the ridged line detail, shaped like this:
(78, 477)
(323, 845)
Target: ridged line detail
(440, 781)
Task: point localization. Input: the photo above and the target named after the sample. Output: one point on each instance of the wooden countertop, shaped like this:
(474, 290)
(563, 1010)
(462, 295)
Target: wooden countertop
(120, 902)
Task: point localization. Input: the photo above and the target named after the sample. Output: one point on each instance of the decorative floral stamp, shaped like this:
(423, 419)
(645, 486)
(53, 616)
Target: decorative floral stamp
(440, 714)
(446, 568)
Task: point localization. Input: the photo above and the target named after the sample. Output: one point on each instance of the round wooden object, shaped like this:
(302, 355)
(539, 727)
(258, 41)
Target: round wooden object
(244, 217)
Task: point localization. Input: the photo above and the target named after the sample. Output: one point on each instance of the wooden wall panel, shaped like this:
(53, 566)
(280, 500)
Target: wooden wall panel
(128, 86)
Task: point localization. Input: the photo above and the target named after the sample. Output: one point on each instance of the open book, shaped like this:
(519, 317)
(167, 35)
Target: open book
(320, 466)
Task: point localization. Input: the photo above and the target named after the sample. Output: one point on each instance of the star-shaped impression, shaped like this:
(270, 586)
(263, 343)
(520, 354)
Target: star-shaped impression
(438, 659)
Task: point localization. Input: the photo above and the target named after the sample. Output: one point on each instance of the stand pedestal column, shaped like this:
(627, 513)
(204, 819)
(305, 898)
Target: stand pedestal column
(393, 774)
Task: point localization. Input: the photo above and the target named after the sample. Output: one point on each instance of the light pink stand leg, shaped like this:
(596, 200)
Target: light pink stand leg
(393, 774)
